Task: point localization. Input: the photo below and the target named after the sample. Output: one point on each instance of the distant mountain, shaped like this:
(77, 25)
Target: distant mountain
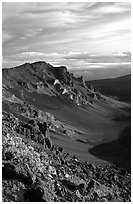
(117, 87)
(62, 138)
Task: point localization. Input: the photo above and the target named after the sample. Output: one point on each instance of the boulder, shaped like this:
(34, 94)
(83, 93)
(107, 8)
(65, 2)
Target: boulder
(52, 170)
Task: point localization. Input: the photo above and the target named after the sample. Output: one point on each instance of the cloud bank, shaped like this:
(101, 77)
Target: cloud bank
(78, 35)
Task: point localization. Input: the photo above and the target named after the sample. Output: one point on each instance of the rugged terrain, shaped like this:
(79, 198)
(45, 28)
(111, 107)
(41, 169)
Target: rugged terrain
(62, 139)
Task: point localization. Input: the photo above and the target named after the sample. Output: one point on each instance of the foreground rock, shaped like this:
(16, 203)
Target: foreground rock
(33, 172)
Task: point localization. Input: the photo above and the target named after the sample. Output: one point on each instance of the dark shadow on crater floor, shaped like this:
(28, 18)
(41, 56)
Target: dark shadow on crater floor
(117, 152)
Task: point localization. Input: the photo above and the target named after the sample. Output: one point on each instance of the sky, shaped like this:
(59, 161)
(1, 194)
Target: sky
(78, 35)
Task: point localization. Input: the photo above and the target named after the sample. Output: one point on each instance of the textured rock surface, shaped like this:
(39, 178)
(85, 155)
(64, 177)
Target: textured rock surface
(32, 173)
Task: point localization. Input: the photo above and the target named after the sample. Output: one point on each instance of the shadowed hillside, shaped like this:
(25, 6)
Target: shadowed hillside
(117, 87)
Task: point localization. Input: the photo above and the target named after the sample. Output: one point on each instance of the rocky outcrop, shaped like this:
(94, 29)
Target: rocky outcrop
(82, 81)
(44, 79)
(33, 174)
(73, 93)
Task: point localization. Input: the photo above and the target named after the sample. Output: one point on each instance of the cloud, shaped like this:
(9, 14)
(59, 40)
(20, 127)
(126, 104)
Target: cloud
(6, 36)
(72, 60)
(66, 33)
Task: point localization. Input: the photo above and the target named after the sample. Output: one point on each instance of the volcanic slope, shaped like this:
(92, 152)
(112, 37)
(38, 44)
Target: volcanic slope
(83, 117)
(117, 87)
